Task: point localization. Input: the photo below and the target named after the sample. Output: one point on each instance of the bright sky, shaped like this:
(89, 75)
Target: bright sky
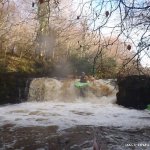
(98, 7)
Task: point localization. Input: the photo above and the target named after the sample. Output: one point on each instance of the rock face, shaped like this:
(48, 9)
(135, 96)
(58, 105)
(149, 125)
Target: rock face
(13, 87)
(134, 91)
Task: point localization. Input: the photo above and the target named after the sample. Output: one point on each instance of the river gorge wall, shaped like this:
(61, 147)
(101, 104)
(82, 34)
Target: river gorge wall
(134, 91)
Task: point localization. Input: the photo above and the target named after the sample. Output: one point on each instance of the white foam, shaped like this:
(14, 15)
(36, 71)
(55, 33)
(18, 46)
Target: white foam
(49, 89)
(61, 105)
(65, 115)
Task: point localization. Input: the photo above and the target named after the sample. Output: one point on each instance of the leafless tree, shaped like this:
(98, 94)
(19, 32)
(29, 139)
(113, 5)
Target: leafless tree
(112, 28)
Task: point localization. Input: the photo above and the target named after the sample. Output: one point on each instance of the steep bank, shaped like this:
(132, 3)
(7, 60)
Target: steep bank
(13, 87)
(134, 91)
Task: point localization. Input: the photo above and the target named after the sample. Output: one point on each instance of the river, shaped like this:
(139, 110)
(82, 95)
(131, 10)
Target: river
(56, 117)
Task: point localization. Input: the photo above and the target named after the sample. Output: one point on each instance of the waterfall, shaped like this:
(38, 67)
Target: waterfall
(50, 89)
(58, 102)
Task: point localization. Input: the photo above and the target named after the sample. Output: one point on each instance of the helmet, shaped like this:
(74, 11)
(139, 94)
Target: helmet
(83, 73)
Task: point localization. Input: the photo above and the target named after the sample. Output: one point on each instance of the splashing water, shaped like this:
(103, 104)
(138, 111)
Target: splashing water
(53, 102)
(48, 89)
(66, 115)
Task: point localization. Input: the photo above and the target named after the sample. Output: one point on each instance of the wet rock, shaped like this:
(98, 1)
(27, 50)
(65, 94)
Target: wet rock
(64, 141)
(86, 144)
(13, 87)
(28, 138)
(75, 147)
(134, 91)
(88, 132)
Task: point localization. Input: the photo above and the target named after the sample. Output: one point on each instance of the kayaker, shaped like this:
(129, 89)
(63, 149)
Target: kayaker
(83, 78)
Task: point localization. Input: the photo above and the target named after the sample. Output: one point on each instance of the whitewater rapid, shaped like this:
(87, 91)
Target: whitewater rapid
(66, 115)
(46, 107)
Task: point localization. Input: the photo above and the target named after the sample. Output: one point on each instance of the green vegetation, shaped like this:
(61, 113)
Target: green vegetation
(75, 65)
(81, 64)
(15, 64)
(108, 69)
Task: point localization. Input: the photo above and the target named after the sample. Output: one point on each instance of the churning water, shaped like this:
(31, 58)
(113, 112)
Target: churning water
(53, 102)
